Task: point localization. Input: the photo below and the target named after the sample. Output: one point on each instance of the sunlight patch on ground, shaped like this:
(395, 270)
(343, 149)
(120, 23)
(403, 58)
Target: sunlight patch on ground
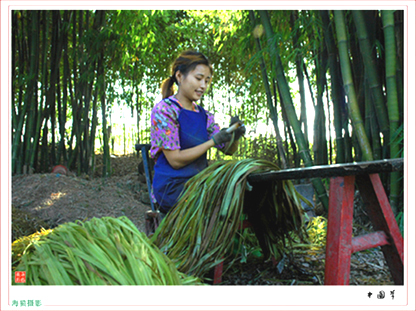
(51, 200)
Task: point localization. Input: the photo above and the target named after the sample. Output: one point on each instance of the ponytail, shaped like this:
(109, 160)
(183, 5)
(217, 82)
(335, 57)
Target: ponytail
(167, 87)
(186, 62)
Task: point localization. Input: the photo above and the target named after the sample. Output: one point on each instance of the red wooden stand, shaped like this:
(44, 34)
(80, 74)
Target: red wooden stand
(218, 274)
(341, 244)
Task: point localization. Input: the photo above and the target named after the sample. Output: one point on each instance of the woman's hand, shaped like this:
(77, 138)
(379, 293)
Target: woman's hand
(241, 130)
(180, 158)
(222, 137)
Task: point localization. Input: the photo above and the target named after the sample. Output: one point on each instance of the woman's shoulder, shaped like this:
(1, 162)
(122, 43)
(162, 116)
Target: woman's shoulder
(166, 105)
(170, 101)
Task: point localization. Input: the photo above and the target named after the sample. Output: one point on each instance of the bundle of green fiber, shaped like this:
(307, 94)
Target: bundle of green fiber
(19, 245)
(201, 228)
(106, 251)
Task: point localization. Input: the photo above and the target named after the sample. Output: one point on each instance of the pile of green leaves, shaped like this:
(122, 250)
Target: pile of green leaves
(201, 229)
(20, 245)
(106, 251)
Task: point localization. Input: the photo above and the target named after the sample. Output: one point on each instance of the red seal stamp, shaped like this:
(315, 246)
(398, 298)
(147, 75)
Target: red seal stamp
(20, 276)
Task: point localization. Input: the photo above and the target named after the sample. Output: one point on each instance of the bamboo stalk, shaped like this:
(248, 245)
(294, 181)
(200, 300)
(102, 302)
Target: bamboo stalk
(372, 72)
(349, 87)
(392, 101)
(287, 102)
(336, 92)
(272, 109)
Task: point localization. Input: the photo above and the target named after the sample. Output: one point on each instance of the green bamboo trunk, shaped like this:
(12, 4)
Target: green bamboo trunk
(43, 90)
(32, 102)
(26, 111)
(320, 142)
(349, 87)
(272, 109)
(65, 78)
(372, 73)
(72, 86)
(52, 96)
(106, 149)
(74, 91)
(290, 110)
(299, 74)
(399, 31)
(335, 86)
(371, 125)
(392, 102)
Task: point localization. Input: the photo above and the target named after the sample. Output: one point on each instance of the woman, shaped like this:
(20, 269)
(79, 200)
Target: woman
(182, 131)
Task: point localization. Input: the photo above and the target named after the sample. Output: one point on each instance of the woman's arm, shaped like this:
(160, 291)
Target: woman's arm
(180, 158)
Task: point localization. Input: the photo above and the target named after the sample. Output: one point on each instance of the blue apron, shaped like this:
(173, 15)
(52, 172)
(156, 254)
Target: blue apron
(168, 182)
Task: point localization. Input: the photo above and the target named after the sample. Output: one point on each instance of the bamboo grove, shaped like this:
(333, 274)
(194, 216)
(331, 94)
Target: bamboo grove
(68, 68)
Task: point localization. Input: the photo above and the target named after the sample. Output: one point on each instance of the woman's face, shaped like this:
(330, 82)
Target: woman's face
(194, 84)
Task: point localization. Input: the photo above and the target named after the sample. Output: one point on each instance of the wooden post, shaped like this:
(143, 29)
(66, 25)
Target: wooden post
(339, 231)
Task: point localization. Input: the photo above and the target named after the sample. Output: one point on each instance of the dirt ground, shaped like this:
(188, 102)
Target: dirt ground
(52, 199)
(47, 200)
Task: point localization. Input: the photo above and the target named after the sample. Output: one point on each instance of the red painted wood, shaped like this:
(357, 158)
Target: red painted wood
(370, 240)
(219, 268)
(245, 224)
(218, 273)
(339, 231)
(340, 244)
(393, 228)
(382, 218)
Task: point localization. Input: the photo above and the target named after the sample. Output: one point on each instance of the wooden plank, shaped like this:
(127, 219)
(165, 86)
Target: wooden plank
(334, 170)
(371, 240)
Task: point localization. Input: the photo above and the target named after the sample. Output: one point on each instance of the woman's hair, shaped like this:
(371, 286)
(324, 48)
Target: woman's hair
(186, 62)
